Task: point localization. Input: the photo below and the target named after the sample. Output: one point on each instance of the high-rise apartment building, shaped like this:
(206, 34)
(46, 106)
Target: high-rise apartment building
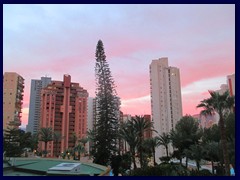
(206, 121)
(148, 132)
(223, 89)
(231, 84)
(35, 103)
(166, 101)
(13, 88)
(91, 122)
(64, 108)
(126, 118)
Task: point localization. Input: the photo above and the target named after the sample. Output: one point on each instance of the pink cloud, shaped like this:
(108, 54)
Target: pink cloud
(207, 68)
(190, 101)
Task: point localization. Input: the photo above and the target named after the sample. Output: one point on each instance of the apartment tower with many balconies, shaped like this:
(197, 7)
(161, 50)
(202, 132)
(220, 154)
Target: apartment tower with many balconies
(35, 103)
(13, 88)
(166, 101)
(64, 109)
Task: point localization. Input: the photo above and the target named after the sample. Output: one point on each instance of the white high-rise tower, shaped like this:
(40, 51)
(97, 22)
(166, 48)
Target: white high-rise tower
(166, 101)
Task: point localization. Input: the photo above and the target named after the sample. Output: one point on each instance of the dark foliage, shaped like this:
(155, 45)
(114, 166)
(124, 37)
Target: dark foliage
(107, 104)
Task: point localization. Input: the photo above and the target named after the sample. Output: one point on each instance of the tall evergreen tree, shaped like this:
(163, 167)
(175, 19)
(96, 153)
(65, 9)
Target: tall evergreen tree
(11, 142)
(107, 110)
(15, 140)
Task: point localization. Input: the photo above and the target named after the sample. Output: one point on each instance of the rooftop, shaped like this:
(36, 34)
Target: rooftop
(40, 166)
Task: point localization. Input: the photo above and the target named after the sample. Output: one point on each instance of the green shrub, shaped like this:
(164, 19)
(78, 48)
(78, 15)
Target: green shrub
(164, 169)
(203, 172)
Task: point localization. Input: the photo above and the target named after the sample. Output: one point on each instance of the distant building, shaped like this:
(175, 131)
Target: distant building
(64, 108)
(121, 141)
(91, 119)
(148, 132)
(126, 117)
(35, 103)
(223, 89)
(13, 88)
(166, 101)
(209, 120)
(231, 84)
(91, 113)
(206, 121)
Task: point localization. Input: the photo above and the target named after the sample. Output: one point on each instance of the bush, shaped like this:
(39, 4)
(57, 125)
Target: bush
(125, 164)
(165, 159)
(148, 171)
(203, 172)
(164, 169)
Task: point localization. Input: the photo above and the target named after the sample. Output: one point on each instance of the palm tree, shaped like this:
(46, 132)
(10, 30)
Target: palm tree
(188, 133)
(80, 149)
(128, 133)
(164, 140)
(152, 143)
(91, 138)
(211, 134)
(46, 135)
(176, 139)
(34, 142)
(141, 125)
(195, 152)
(211, 152)
(222, 104)
(56, 139)
(84, 141)
(74, 139)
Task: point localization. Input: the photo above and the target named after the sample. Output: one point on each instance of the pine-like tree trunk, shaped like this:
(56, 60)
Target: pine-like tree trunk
(154, 158)
(45, 153)
(134, 160)
(212, 167)
(166, 150)
(186, 162)
(224, 146)
(198, 165)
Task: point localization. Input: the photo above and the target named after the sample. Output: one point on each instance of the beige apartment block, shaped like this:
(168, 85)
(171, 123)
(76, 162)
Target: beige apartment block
(13, 88)
(166, 100)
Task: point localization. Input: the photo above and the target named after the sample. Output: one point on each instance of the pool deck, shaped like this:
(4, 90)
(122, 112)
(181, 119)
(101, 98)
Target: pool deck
(40, 166)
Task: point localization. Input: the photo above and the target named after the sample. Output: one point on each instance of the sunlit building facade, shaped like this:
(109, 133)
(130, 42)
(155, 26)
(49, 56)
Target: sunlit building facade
(231, 84)
(166, 101)
(148, 132)
(64, 109)
(13, 88)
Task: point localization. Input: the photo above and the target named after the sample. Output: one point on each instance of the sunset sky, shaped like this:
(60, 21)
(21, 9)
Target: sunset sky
(53, 40)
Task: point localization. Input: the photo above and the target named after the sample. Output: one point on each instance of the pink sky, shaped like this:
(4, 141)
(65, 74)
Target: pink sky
(53, 40)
